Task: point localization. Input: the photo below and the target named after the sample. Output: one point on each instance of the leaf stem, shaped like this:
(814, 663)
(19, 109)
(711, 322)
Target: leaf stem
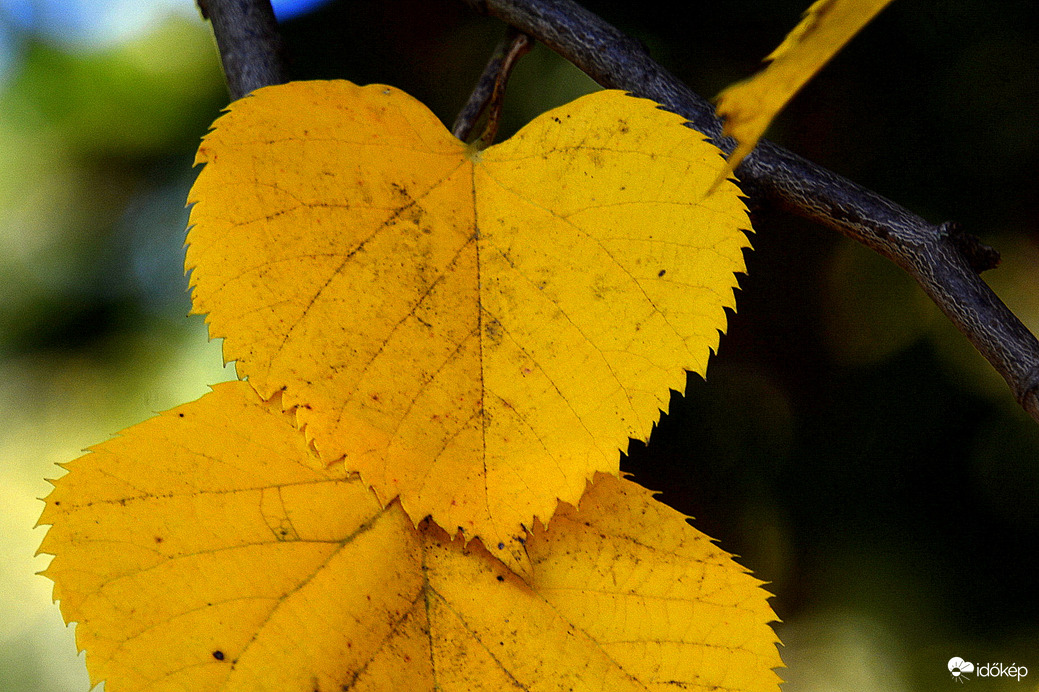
(489, 94)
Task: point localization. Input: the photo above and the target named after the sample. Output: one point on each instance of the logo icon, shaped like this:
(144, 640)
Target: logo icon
(959, 668)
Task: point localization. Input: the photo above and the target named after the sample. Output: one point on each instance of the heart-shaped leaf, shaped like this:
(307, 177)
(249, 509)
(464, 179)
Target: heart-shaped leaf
(477, 332)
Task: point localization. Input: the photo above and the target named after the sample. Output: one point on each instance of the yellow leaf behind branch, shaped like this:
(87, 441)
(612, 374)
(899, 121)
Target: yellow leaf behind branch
(202, 550)
(477, 332)
(749, 106)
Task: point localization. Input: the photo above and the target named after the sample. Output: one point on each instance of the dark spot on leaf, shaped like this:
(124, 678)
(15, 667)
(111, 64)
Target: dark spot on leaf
(181, 415)
(501, 546)
(500, 578)
(218, 655)
(492, 329)
(661, 272)
(158, 539)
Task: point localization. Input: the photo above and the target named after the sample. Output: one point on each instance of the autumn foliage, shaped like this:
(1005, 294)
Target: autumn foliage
(443, 349)
(234, 560)
(478, 332)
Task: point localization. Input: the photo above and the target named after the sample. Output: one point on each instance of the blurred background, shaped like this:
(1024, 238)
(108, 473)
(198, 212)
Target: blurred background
(848, 444)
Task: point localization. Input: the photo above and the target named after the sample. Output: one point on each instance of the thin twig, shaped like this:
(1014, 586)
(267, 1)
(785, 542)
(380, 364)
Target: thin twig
(942, 259)
(489, 93)
(249, 42)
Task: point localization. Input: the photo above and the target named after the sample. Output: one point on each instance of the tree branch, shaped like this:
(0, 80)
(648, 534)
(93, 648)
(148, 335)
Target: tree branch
(943, 260)
(249, 42)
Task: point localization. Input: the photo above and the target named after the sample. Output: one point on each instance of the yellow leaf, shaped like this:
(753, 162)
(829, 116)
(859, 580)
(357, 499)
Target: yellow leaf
(749, 106)
(202, 550)
(478, 332)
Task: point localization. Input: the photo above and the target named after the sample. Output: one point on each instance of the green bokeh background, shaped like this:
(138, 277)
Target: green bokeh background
(848, 444)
